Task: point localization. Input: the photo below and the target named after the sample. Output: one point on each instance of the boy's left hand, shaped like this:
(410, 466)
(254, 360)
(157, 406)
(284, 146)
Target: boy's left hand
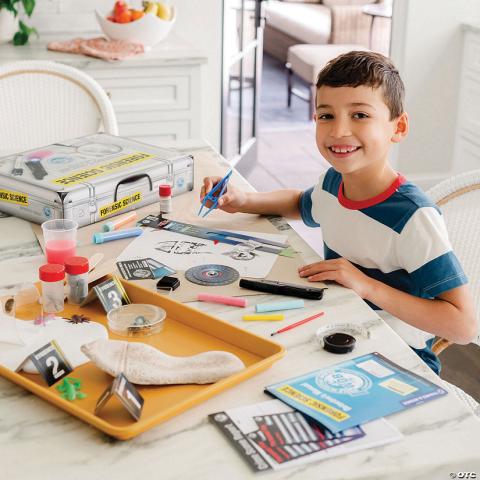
(338, 270)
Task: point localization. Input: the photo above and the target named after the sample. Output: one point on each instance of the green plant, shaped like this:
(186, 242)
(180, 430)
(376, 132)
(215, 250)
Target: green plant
(24, 31)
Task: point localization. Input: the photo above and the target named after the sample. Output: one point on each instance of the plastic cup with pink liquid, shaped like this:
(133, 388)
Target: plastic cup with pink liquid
(60, 237)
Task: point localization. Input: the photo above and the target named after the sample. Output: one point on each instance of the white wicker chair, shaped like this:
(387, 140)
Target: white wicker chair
(459, 199)
(44, 102)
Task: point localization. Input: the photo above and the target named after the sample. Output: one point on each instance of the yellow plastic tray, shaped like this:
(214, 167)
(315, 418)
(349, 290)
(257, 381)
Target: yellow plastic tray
(187, 331)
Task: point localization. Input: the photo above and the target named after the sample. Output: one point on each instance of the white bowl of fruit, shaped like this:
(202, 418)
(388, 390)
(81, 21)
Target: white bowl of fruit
(147, 25)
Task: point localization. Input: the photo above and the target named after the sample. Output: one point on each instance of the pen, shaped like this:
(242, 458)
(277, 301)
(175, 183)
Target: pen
(296, 324)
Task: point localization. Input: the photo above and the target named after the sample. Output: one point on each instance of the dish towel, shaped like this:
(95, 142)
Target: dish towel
(99, 47)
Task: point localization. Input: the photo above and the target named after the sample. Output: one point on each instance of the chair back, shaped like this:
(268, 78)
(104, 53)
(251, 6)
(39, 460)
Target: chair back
(459, 200)
(44, 102)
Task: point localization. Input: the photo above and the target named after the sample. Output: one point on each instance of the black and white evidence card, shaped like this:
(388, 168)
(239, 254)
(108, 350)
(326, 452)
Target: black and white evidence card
(51, 363)
(110, 293)
(135, 269)
(126, 392)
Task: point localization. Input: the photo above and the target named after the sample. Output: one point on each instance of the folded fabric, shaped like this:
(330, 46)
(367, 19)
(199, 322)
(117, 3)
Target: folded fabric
(20, 338)
(98, 47)
(145, 365)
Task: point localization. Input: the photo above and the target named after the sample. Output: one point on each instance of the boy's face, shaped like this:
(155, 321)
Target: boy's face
(353, 128)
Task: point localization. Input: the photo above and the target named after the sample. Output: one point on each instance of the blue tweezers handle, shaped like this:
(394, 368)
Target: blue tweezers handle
(213, 196)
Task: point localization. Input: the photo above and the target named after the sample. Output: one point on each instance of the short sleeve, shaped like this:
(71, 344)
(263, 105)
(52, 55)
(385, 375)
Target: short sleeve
(305, 207)
(424, 251)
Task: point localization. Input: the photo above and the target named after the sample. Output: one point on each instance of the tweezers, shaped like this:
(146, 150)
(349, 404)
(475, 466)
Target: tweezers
(214, 194)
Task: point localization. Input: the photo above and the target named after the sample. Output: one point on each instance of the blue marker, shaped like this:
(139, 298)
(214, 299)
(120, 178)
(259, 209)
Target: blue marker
(101, 237)
(273, 307)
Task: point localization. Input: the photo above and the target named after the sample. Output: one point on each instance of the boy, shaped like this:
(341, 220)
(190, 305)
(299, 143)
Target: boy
(382, 236)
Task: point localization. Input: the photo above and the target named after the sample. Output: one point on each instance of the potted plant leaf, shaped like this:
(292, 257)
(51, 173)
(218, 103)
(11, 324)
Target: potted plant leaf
(8, 15)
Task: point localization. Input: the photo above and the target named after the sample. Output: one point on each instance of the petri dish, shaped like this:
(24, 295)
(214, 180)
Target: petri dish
(136, 320)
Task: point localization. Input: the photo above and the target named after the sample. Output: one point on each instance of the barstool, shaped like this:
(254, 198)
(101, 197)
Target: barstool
(305, 61)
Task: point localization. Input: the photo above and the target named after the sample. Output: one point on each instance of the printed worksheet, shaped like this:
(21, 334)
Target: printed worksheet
(271, 436)
(181, 252)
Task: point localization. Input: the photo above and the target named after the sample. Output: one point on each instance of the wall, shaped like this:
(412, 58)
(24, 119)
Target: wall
(427, 48)
(200, 23)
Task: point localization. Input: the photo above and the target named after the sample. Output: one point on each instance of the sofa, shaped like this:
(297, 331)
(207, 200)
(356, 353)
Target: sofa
(290, 22)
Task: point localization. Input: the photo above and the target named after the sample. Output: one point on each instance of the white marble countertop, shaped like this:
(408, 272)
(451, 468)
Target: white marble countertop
(172, 51)
(39, 441)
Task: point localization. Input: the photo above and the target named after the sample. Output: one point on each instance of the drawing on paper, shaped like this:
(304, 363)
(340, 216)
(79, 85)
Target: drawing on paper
(182, 247)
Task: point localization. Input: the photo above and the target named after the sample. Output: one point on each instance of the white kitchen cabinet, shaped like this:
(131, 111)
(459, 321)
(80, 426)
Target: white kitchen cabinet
(156, 96)
(467, 138)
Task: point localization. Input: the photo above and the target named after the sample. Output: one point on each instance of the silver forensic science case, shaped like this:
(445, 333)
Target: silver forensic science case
(89, 179)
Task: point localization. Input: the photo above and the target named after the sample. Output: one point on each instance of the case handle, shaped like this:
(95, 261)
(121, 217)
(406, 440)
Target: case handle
(132, 179)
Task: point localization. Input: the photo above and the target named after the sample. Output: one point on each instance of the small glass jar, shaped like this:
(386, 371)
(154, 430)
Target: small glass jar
(52, 277)
(77, 279)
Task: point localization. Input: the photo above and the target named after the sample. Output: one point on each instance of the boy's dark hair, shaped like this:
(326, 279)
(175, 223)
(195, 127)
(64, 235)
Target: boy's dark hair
(370, 69)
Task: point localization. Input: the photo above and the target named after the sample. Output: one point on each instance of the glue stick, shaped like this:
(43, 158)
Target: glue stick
(119, 222)
(165, 194)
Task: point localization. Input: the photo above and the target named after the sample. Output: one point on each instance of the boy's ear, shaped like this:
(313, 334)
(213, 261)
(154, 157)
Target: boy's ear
(315, 117)
(401, 128)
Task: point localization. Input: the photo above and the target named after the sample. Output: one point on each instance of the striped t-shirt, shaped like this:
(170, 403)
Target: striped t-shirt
(398, 237)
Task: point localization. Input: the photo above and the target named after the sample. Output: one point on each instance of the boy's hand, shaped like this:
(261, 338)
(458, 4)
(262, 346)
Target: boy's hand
(338, 270)
(231, 201)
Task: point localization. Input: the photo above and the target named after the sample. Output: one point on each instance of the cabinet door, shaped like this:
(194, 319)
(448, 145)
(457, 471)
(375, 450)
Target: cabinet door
(467, 143)
(154, 103)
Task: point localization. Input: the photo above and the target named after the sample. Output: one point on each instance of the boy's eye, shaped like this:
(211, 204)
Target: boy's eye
(360, 115)
(325, 116)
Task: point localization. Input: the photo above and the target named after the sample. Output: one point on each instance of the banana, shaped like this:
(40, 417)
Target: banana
(150, 7)
(163, 11)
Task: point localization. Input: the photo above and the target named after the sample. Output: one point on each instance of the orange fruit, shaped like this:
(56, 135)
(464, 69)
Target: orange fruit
(136, 14)
(124, 17)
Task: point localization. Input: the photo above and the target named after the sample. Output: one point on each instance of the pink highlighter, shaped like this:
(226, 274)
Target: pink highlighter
(234, 301)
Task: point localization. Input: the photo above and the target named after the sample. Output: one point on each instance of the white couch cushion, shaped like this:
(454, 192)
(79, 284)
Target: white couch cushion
(310, 23)
(307, 60)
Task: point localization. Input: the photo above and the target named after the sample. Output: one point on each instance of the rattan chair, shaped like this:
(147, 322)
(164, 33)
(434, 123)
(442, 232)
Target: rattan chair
(459, 199)
(43, 102)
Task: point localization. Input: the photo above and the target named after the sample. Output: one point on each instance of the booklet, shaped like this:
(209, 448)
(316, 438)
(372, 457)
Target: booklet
(271, 435)
(355, 391)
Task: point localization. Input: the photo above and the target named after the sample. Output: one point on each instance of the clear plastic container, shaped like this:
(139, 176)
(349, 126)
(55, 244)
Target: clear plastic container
(60, 238)
(77, 279)
(136, 320)
(165, 194)
(52, 277)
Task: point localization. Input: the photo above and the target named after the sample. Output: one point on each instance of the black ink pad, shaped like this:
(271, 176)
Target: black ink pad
(339, 343)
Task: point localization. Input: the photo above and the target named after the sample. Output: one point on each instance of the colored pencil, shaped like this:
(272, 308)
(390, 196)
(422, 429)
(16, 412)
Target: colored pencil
(296, 324)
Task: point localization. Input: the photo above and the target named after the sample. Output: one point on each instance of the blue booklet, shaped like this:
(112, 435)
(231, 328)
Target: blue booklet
(355, 391)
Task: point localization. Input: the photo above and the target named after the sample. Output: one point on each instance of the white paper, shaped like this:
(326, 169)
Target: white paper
(181, 252)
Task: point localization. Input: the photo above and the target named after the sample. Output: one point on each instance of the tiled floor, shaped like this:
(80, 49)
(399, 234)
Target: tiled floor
(288, 157)
(287, 154)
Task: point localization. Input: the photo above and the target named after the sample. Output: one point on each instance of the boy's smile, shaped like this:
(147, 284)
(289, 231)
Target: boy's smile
(354, 131)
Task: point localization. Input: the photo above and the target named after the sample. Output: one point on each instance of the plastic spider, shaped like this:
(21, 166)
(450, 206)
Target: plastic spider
(79, 319)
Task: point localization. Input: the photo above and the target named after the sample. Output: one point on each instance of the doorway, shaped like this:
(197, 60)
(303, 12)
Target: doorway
(242, 67)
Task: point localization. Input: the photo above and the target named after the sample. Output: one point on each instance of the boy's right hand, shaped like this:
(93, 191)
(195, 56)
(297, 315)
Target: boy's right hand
(231, 201)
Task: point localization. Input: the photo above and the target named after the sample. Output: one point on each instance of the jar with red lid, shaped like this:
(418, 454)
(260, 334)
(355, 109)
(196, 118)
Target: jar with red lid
(77, 279)
(52, 277)
(165, 194)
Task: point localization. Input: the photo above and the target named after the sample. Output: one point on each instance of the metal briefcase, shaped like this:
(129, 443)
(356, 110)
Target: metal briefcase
(90, 178)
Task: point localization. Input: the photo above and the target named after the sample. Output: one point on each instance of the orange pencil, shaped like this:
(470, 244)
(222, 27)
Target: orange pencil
(296, 324)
